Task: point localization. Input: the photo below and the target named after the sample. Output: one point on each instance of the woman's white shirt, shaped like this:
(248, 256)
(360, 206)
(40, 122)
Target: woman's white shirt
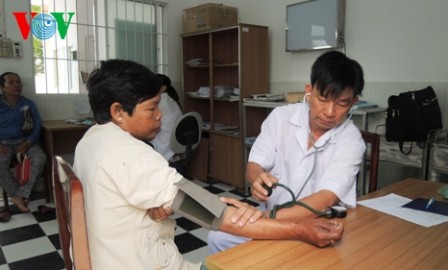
(170, 114)
(123, 177)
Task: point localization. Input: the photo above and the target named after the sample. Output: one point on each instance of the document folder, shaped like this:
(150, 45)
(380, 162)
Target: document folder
(437, 207)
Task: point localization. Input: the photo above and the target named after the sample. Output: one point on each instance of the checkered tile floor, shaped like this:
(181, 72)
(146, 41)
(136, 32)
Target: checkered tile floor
(30, 240)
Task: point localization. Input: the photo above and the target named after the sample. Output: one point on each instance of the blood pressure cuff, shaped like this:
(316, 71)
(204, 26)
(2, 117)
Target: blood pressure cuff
(198, 205)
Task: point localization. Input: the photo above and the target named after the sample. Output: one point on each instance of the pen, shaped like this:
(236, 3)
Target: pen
(430, 202)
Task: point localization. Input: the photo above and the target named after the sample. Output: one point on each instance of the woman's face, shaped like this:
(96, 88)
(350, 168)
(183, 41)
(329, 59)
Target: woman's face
(144, 123)
(13, 85)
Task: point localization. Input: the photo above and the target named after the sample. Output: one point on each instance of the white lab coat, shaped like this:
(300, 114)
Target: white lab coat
(282, 149)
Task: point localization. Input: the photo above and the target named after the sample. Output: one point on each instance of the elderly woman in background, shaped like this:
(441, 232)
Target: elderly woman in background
(20, 128)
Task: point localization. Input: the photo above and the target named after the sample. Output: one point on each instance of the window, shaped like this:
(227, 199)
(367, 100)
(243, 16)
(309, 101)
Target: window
(98, 30)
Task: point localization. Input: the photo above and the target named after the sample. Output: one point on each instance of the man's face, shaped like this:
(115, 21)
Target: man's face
(328, 112)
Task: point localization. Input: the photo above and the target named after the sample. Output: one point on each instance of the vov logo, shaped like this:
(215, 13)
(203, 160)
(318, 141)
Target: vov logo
(43, 25)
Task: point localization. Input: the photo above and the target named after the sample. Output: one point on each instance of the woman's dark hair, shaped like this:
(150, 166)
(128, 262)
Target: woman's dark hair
(170, 89)
(333, 72)
(3, 76)
(122, 81)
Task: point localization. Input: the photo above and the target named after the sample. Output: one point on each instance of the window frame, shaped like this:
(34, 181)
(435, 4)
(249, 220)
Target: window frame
(91, 38)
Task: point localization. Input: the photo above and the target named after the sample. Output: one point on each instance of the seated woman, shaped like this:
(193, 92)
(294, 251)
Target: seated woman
(20, 128)
(129, 188)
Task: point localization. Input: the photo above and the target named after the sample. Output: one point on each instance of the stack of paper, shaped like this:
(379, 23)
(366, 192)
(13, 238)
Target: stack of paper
(268, 96)
(204, 91)
(223, 90)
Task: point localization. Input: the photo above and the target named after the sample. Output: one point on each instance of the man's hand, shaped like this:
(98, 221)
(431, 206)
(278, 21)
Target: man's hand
(159, 213)
(245, 212)
(319, 232)
(257, 189)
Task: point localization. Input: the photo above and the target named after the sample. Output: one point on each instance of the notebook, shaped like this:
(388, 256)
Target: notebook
(436, 208)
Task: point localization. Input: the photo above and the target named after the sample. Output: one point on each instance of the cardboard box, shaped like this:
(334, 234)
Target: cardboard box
(208, 16)
(294, 97)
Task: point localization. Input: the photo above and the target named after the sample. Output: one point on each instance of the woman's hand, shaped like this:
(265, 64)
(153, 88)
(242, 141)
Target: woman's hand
(23, 147)
(159, 213)
(244, 213)
(4, 150)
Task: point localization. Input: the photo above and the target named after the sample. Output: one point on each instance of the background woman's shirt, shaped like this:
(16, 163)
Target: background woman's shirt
(12, 119)
(170, 114)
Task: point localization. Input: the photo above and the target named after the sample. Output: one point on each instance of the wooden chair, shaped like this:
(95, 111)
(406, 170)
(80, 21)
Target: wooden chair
(5, 201)
(372, 140)
(5, 214)
(70, 212)
(6, 211)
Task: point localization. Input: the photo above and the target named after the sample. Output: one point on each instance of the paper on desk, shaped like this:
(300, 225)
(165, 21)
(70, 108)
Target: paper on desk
(392, 204)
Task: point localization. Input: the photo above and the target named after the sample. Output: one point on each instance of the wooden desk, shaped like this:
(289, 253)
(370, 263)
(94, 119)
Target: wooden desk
(59, 138)
(371, 240)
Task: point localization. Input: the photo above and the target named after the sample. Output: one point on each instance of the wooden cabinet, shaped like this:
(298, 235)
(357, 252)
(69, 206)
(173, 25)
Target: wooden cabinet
(235, 56)
(226, 159)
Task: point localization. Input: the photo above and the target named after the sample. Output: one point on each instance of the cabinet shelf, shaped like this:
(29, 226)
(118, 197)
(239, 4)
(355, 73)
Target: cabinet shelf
(215, 65)
(241, 59)
(223, 133)
(221, 99)
(198, 97)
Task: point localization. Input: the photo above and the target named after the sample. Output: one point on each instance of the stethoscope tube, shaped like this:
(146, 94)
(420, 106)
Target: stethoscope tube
(327, 213)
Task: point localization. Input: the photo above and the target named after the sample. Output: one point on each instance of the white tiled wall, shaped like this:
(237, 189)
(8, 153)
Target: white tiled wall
(378, 93)
(59, 107)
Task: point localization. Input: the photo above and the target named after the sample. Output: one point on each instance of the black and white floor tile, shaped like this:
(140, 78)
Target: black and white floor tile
(30, 240)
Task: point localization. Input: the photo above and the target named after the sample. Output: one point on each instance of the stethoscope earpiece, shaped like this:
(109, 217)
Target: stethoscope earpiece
(304, 97)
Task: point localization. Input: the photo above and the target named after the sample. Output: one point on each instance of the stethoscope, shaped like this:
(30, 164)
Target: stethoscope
(332, 212)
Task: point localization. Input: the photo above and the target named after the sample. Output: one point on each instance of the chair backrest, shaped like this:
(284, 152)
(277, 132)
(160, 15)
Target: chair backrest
(372, 140)
(187, 133)
(70, 212)
(434, 156)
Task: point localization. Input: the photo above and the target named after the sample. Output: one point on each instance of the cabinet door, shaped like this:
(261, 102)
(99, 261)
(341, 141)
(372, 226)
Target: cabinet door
(226, 159)
(198, 165)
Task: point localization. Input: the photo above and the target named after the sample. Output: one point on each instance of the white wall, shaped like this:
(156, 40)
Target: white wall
(401, 44)
(22, 66)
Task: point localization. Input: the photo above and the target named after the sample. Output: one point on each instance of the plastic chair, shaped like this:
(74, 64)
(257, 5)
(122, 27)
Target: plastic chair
(185, 137)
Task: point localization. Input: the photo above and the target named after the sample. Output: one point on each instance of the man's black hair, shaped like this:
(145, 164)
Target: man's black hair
(333, 72)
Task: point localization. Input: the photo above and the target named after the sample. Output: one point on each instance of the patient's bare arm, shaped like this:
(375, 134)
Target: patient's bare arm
(318, 232)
